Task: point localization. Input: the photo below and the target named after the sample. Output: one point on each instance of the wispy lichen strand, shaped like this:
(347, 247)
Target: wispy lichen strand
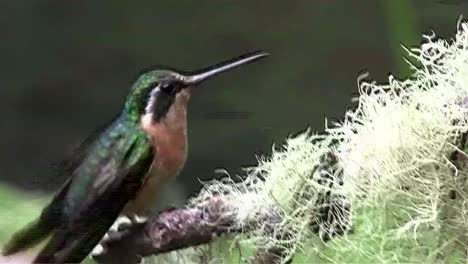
(396, 151)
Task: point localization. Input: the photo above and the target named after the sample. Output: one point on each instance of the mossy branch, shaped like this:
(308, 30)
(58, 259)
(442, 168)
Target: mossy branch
(402, 151)
(170, 229)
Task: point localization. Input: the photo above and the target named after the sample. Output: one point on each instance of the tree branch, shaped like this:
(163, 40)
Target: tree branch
(168, 230)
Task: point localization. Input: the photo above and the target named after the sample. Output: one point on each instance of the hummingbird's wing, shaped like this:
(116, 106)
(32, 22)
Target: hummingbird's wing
(109, 175)
(51, 215)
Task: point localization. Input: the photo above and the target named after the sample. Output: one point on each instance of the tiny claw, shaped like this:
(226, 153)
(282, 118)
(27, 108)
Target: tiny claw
(98, 250)
(139, 219)
(121, 223)
(124, 226)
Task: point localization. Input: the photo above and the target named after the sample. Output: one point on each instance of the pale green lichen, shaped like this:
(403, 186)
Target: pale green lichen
(395, 155)
(388, 160)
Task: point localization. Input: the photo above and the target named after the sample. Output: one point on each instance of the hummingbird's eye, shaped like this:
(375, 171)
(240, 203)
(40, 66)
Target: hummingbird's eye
(171, 87)
(167, 87)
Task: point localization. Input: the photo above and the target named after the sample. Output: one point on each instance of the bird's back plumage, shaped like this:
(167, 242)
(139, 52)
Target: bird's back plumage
(104, 177)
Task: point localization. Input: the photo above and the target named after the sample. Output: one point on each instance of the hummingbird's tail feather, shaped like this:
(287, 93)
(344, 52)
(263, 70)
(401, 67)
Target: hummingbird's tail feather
(39, 229)
(28, 237)
(66, 246)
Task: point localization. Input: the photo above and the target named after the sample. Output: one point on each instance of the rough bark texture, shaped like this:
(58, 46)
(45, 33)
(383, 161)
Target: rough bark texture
(168, 230)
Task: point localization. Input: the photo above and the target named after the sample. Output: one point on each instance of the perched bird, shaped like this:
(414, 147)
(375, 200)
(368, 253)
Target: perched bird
(120, 169)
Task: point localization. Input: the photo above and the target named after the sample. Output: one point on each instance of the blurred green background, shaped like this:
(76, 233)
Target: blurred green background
(66, 67)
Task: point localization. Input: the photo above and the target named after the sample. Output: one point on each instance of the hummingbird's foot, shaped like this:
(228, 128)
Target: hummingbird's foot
(119, 229)
(122, 222)
(139, 219)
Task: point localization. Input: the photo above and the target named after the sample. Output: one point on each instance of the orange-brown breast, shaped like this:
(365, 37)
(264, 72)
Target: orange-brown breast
(169, 139)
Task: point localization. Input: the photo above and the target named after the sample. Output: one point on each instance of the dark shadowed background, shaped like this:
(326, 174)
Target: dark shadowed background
(66, 67)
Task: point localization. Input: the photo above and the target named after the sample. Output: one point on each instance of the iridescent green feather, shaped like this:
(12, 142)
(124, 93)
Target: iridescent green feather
(108, 177)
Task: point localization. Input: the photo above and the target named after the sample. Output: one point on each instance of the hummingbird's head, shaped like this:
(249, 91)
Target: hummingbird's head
(157, 91)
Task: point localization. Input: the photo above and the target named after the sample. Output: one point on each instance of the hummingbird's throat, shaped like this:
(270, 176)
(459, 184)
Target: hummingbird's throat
(168, 135)
(169, 140)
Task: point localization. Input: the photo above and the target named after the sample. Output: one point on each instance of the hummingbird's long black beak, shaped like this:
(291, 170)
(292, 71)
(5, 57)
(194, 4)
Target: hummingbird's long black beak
(199, 76)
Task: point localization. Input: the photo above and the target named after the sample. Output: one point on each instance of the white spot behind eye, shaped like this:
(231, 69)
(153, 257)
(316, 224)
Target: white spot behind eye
(152, 99)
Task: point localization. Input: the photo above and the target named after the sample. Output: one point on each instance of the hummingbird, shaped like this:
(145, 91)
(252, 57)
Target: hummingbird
(120, 169)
